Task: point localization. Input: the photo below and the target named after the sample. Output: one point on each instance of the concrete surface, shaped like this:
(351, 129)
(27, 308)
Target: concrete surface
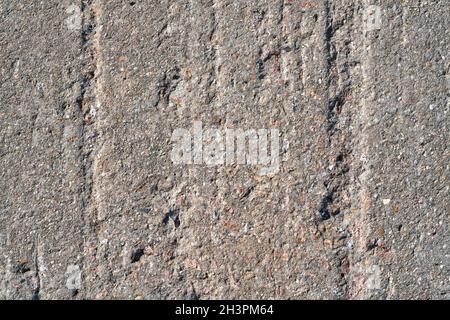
(92, 207)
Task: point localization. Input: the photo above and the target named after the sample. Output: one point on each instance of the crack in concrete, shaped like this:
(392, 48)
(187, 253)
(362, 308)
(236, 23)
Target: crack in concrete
(89, 103)
(37, 289)
(338, 135)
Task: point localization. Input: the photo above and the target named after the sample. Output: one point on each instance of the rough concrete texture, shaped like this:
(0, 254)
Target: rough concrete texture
(92, 207)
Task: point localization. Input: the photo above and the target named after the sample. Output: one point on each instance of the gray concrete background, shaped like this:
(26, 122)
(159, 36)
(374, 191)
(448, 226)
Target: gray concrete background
(93, 208)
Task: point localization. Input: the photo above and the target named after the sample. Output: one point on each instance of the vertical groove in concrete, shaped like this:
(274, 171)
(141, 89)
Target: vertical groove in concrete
(90, 104)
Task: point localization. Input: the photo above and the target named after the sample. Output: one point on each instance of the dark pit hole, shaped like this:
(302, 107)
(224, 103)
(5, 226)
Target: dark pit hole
(21, 267)
(177, 222)
(324, 214)
(372, 244)
(88, 30)
(136, 255)
(173, 215)
(259, 15)
(144, 210)
(247, 192)
(192, 295)
(74, 293)
(399, 227)
(340, 158)
(36, 296)
(132, 3)
(260, 64)
(324, 210)
(336, 212)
